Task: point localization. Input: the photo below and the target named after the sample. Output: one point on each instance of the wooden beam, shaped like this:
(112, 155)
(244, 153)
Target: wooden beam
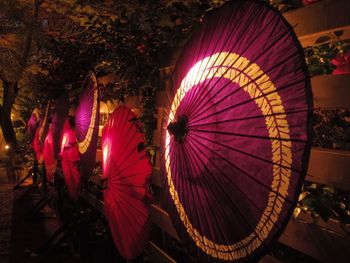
(158, 255)
(331, 91)
(98, 155)
(330, 167)
(319, 19)
(162, 219)
(156, 177)
(316, 242)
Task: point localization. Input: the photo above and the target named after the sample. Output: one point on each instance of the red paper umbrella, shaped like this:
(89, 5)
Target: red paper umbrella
(44, 125)
(127, 169)
(70, 160)
(237, 142)
(86, 124)
(38, 148)
(49, 157)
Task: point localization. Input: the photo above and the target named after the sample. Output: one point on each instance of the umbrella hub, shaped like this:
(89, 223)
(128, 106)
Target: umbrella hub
(179, 128)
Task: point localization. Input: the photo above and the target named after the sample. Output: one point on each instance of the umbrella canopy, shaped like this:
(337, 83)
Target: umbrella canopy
(237, 142)
(58, 119)
(40, 134)
(86, 124)
(70, 160)
(44, 125)
(127, 169)
(33, 123)
(48, 155)
(38, 148)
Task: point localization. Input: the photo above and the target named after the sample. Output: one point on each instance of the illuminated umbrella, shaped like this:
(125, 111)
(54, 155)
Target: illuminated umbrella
(52, 142)
(127, 169)
(48, 155)
(58, 119)
(38, 148)
(33, 123)
(70, 160)
(40, 134)
(44, 125)
(86, 124)
(237, 142)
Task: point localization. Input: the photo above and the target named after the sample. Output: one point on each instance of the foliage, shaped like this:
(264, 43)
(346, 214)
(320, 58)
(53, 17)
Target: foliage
(325, 201)
(332, 129)
(318, 57)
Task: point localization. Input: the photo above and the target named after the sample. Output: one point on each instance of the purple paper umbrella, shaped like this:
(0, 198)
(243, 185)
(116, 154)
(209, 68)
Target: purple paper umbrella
(237, 142)
(86, 124)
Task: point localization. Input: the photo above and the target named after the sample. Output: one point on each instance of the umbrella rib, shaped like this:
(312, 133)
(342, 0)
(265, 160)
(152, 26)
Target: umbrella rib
(208, 90)
(217, 199)
(244, 172)
(228, 179)
(248, 154)
(202, 110)
(227, 196)
(249, 135)
(251, 117)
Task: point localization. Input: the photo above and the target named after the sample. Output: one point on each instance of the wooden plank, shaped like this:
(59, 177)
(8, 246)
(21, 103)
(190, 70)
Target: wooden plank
(310, 236)
(99, 155)
(330, 167)
(319, 19)
(331, 91)
(158, 255)
(162, 219)
(332, 225)
(156, 177)
(314, 241)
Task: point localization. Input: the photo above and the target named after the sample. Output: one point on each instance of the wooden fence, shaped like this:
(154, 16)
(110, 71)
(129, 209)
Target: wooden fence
(327, 242)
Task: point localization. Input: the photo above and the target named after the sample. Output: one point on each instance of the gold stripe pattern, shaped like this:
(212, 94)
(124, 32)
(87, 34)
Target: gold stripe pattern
(84, 145)
(258, 85)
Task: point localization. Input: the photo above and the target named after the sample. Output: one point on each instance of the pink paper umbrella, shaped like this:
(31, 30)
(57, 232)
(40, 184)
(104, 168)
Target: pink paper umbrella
(86, 124)
(127, 169)
(40, 134)
(70, 160)
(237, 143)
(49, 157)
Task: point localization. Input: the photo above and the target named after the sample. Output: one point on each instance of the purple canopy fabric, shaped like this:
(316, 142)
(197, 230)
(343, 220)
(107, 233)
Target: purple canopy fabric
(238, 139)
(86, 124)
(60, 115)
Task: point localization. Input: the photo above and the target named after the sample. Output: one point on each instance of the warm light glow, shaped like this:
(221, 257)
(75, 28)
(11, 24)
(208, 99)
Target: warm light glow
(105, 153)
(64, 140)
(7, 146)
